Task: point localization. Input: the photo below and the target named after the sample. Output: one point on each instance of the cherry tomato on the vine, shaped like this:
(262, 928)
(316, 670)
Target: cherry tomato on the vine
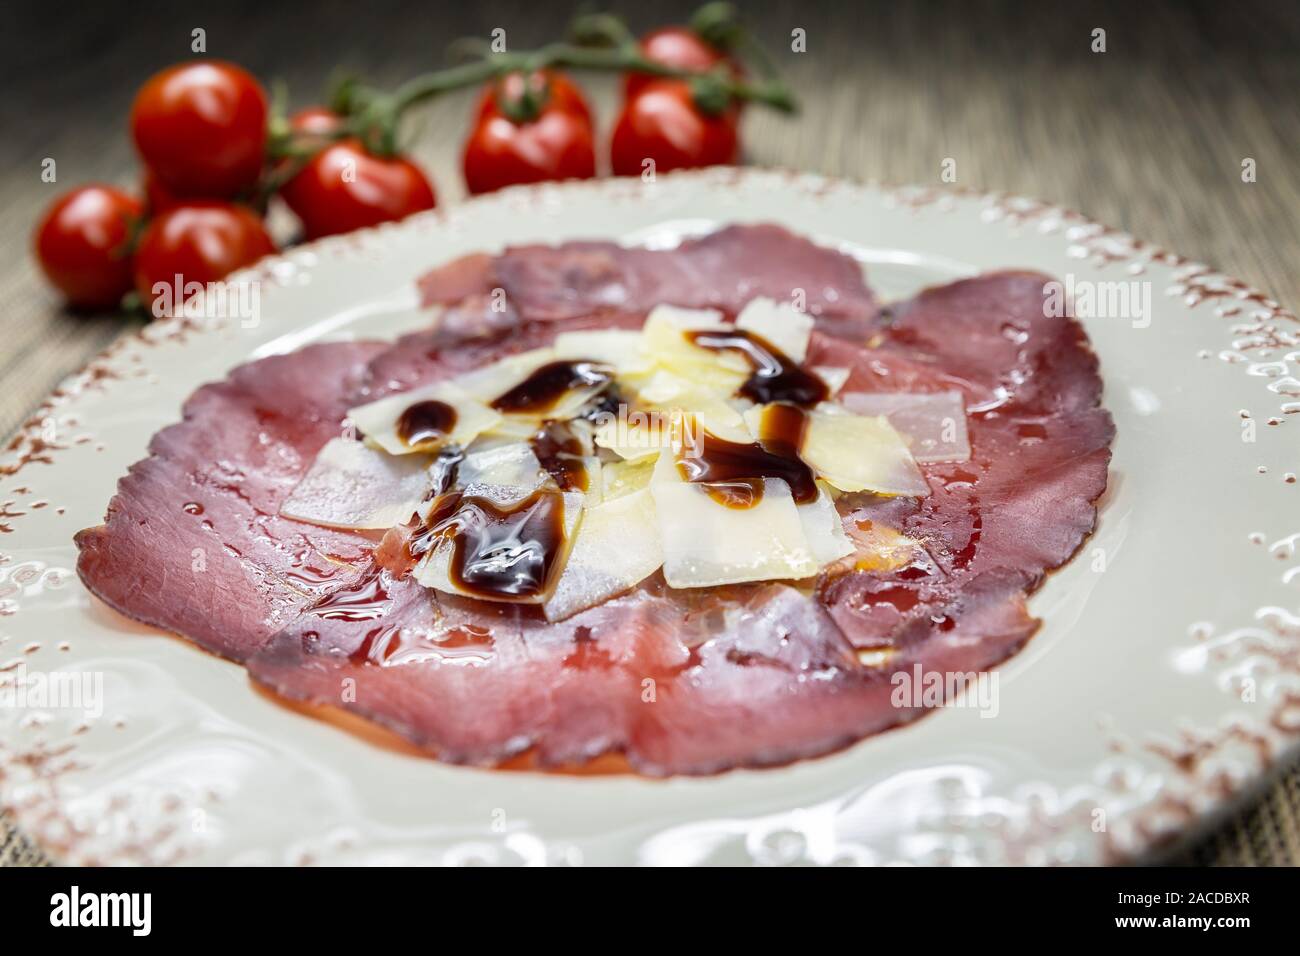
(662, 123)
(312, 128)
(315, 121)
(201, 128)
(676, 47)
(550, 86)
(81, 244)
(202, 241)
(157, 196)
(557, 143)
(343, 187)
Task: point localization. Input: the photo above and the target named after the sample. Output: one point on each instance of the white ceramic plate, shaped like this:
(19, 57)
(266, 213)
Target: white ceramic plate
(1163, 684)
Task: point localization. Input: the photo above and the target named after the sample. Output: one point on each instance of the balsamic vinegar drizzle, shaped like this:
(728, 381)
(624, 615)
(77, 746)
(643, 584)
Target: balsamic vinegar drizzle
(542, 389)
(510, 551)
(394, 646)
(776, 376)
(445, 471)
(561, 452)
(506, 551)
(603, 403)
(732, 473)
(498, 551)
(365, 599)
(426, 423)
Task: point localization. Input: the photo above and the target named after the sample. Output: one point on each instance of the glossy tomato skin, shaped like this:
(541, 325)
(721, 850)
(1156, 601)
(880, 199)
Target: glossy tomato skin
(558, 144)
(81, 245)
(311, 128)
(201, 127)
(315, 121)
(676, 47)
(561, 93)
(344, 188)
(202, 241)
(157, 196)
(663, 123)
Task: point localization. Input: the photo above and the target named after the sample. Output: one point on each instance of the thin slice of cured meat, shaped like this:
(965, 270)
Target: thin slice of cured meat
(1040, 451)
(491, 306)
(674, 681)
(193, 542)
(697, 682)
(722, 270)
(468, 336)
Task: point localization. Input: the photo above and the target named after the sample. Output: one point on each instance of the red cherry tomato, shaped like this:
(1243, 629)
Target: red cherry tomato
(203, 241)
(312, 128)
(344, 188)
(560, 93)
(157, 196)
(663, 123)
(675, 47)
(557, 144)
(315, 121)
(81, 245)
(201, 127)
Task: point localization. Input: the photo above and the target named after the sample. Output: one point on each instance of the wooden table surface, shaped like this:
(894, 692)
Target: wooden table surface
(1148, 136)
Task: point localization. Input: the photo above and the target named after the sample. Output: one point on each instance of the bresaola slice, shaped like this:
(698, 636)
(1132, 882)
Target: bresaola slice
(691, 681)
(194, 542)
(722, 270)
(763, 674)
(1040, 446)
(489, 306)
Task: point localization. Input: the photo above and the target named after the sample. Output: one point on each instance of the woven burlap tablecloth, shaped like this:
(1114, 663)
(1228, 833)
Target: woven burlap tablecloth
(1148, 136)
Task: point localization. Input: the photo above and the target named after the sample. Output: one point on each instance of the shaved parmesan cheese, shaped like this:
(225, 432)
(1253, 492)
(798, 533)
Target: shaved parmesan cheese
(508, 463)
(351, 485)
(933, 424)
(664, 340)
(854, 452)
(636, 434)
(619, 478)
(620, 348)
(668, 321)
(378, 421)
(501, 547)
(706, 543)
(823, 528)
(509, 430)
(662, 401)
(832, 376)
(617, 547)
(667, 391)
(780, 323)
(592, 483)
(490, 381)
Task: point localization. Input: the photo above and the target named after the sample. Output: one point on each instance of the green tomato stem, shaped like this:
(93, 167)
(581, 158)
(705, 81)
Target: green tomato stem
(373, 115)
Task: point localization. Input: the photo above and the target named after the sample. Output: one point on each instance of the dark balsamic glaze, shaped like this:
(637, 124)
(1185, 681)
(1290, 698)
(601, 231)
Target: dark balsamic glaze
(364, 600)
(445, 471)
(603, 404)
(776, 376)
(426, 423)
(540, 391)
(732, 473)
(561, 453)
(391, 646)
(498, 551)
